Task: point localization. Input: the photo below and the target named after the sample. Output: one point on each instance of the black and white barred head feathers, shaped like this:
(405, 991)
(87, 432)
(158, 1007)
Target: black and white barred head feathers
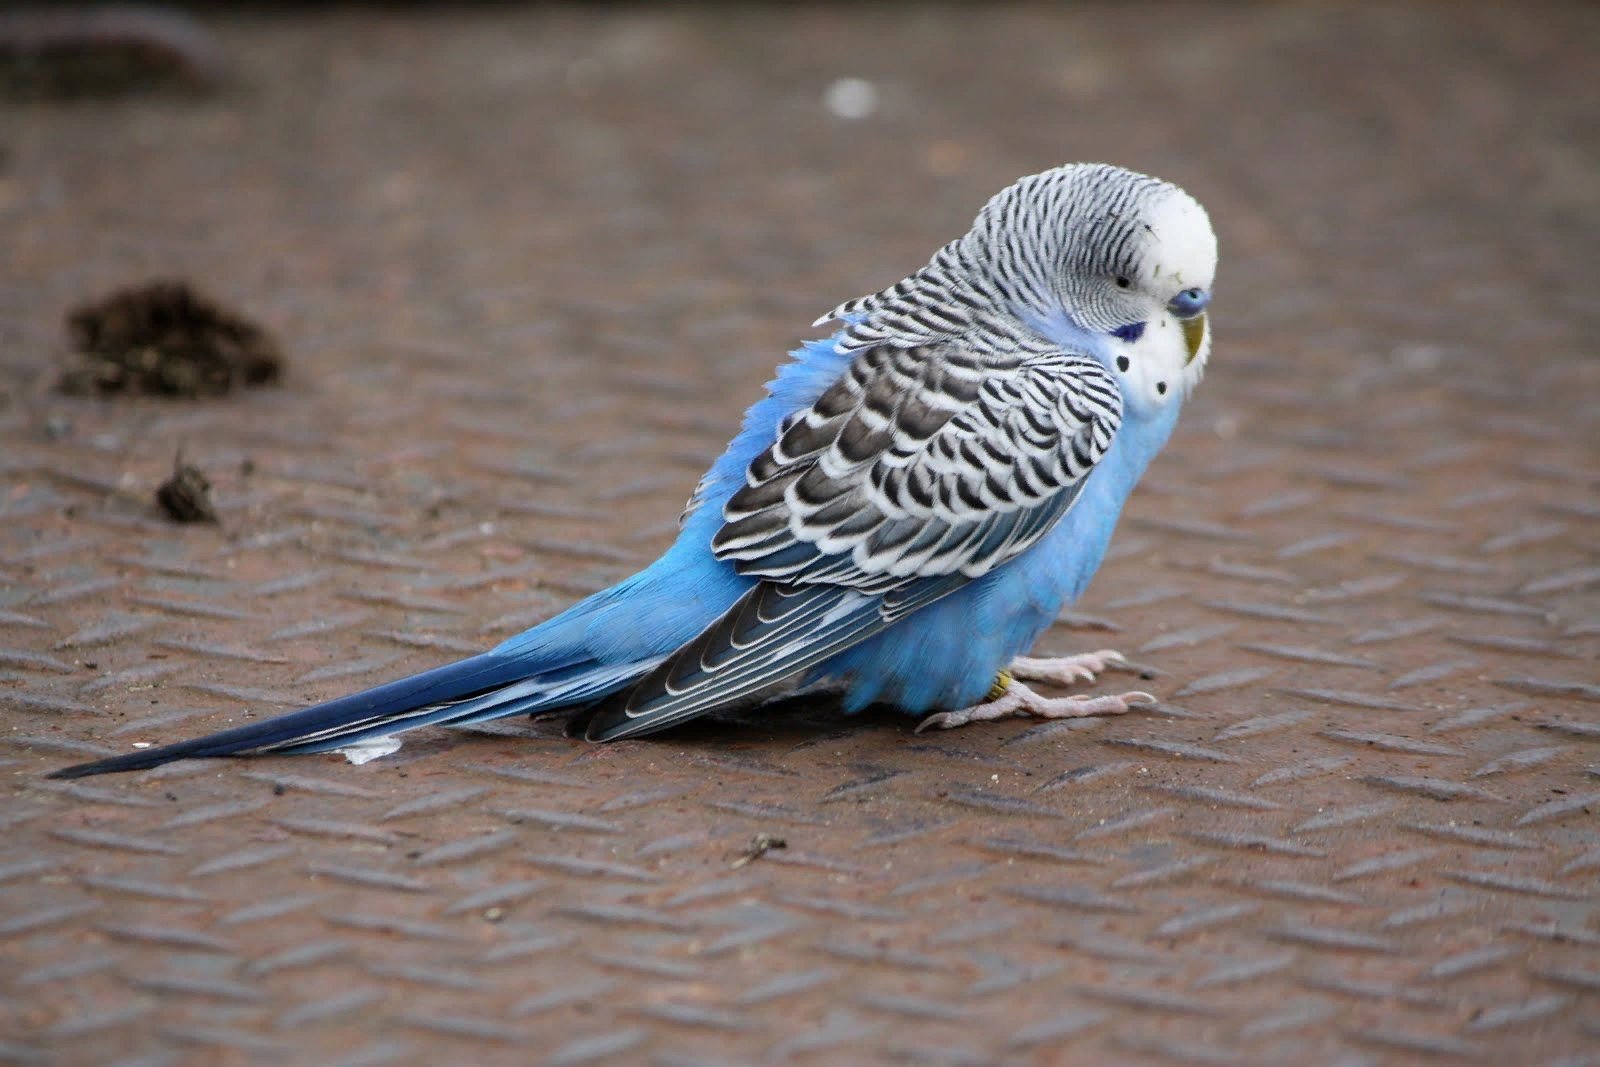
(1096, 243)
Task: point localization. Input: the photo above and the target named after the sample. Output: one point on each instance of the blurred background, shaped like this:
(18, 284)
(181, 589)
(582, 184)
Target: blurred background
(519, 268)
(484, 171)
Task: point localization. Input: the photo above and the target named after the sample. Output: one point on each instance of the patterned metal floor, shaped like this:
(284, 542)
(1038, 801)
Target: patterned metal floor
(529, 266)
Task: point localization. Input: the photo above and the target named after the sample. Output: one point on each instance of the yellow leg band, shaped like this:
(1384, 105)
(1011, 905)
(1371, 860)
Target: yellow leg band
(1002, 682)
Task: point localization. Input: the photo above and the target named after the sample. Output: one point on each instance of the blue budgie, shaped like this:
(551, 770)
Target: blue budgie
(899, 519)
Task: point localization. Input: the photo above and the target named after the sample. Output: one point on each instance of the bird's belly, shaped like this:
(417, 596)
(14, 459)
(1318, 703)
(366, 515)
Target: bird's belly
(946, 655)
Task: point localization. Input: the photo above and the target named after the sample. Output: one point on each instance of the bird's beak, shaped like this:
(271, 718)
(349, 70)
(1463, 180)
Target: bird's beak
(1194, 335)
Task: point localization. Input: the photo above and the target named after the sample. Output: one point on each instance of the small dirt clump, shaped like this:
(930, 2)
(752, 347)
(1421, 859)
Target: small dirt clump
(166, 339)
(186, 496)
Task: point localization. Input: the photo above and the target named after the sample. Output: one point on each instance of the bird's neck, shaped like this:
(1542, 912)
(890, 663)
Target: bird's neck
(1143, 433)
(1065, 332)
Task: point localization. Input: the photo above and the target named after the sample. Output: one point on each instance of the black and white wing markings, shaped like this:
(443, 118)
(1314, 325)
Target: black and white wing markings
(919, 470)
(921, 462)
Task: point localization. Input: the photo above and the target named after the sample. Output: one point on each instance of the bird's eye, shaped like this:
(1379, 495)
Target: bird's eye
(1189, 303)
(1123, 282)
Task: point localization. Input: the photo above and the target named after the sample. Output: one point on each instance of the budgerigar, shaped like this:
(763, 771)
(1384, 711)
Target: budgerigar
(899, 519)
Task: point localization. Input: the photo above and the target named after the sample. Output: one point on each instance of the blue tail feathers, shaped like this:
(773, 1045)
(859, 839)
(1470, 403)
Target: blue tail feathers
(481, 687)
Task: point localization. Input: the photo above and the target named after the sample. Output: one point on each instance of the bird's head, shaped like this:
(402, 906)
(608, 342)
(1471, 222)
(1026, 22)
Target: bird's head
(1088, 257)
(1114, 263)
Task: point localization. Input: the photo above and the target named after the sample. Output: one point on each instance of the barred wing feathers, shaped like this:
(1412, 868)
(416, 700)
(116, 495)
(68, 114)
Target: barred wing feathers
(921, 462)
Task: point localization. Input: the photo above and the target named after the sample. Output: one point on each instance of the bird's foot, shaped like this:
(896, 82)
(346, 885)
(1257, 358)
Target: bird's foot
(1018, 699)
(1066, 670)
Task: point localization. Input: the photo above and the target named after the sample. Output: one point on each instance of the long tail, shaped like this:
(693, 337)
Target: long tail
(487, 686)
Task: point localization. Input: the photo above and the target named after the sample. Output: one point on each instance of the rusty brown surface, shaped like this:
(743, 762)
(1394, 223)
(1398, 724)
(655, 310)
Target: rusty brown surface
(529, 267)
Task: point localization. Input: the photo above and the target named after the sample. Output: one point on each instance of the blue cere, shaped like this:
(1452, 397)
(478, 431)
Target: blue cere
(1189, 303)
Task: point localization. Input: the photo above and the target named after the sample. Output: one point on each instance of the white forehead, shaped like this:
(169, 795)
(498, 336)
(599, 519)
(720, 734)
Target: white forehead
(1180, 246)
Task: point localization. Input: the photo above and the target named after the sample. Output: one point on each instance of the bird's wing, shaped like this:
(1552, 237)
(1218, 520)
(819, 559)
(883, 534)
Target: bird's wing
(919, 470)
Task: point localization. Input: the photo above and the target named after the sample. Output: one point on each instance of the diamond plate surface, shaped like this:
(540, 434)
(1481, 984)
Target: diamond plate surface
(529, 267)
